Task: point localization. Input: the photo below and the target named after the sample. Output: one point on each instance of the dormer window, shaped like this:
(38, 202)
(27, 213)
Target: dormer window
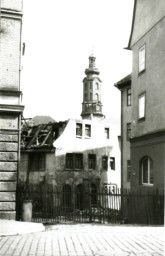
(78, 129)
(87, 130)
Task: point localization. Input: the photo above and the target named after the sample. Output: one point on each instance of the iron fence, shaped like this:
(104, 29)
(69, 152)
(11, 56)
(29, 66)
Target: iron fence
(52, 205)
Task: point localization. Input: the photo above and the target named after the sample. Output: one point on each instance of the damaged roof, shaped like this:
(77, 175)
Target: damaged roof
(40, 137)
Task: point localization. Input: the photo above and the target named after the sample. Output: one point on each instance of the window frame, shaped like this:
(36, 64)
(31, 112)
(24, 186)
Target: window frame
(143, 64)
(142, 118)
(35, 163)
(105, 163)
(92, 161)
(80, 128)
(107, 132)
(128, 170)
(128, 131)
(87, 131)
(74, 157)
(112, 163)
(129, 94)
(149, 171)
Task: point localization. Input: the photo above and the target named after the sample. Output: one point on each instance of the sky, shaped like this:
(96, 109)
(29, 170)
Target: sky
(59, 37)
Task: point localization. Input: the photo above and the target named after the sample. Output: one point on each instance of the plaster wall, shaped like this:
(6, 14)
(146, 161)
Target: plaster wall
(155, 149)
(151, 82)
(146, 16)
(15, 5)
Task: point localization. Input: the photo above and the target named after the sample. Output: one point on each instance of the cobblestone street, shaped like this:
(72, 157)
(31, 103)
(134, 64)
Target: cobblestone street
(86, 240)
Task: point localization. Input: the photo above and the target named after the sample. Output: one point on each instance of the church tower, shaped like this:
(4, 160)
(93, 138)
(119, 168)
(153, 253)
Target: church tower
(91, 106)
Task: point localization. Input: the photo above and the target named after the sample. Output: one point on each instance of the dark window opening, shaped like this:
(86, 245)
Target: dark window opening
(128, 170)
(107, 133)
(66, 196)
(128, 131)
(112, 163)
(78, 129)
(37, 161)
(88, 130)
(74, 161)
(105, 163)
(93, 195)
(92, 161)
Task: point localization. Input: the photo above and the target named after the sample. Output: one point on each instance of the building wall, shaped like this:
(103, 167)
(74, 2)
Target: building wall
(10, 109)
(97, 144)
(146, 16)
(153, 147)
(126, 118)
(55, 168)
(151, 81)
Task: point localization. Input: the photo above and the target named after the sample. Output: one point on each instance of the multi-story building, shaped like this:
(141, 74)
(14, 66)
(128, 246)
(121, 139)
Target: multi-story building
(147, 143)
(10, 100)
(124, 86)
(77, 152)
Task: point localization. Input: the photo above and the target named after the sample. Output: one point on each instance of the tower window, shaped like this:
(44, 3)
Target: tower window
(92, 161)
(87, 130)
(97, 86)
(112, 163)
(96, 97)
(85, 96)
(129, 97)
(106, 133)
(90, 85)
(85, 86)
(90, 96)
(78, 129)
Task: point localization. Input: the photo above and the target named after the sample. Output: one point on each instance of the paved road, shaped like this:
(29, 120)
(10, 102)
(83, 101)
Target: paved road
(86, 240)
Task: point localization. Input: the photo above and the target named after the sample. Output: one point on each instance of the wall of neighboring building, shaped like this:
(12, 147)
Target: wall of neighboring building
(151, 81)
(10, 109)
(146, 16)
(126, 118)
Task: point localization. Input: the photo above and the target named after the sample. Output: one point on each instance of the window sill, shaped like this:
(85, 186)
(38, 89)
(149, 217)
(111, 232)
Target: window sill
(79, 137)
(141, 119)
(87, 137)
(141, 72)
(147, 185)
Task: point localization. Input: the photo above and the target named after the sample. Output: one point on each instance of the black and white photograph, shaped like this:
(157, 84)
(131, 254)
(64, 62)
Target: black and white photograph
(82, 127)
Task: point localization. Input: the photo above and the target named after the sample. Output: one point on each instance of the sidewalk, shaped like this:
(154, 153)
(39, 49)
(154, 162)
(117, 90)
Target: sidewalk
(86, 240)
(11, 227)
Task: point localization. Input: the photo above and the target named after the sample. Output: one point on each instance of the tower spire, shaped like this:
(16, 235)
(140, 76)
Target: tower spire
(91, 106)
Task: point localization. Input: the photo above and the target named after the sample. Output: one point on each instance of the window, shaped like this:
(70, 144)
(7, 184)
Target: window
(90, 85)
(96, 97)
(142, 106)
(97, 86)
(86, 96)
(112, 163)
(69, 161)
(129, 97)
(147, 171)
(142, 59)
(78, 129)
(106, 133)
(37, 161)
(128, 170)
(128, 131)
(92, 161)
(85, 86)
(90, 96)
(87, 130)
(105, 163)
(74, 161)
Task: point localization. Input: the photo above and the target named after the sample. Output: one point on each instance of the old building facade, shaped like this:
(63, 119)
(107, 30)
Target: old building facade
(124, 86)
(77, 152)
(10, 100)
(147, 142)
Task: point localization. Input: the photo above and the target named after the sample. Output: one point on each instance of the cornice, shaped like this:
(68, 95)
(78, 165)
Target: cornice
(7, 13)
(11, 108)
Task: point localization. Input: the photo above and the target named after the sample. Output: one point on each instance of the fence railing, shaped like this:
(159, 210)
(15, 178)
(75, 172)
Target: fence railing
(122, 206)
